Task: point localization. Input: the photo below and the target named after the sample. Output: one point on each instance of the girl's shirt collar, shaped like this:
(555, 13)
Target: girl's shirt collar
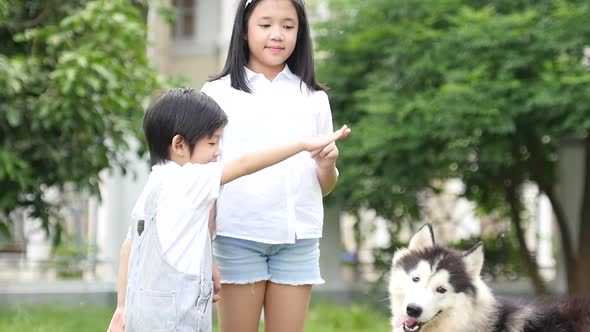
(250, 75)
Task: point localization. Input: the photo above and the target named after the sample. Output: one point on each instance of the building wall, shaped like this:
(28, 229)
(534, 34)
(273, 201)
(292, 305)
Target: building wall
(196, 69)
(192, 58)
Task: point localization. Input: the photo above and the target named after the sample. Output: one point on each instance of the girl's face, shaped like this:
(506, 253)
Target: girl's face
(272, 34)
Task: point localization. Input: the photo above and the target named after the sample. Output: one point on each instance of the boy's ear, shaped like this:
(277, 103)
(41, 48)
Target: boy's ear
(177, 146)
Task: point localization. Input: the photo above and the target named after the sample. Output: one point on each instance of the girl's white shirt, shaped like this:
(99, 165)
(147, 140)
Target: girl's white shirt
(182, 215)
(282, 202)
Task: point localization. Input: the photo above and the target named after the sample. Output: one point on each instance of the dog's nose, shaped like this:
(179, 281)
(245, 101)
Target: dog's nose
(413, 310)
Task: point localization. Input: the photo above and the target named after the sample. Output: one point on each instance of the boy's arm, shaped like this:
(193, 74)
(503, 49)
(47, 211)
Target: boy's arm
(212, 216)
(259, 159)
(122, 278)
(215, 273)
(117, 323)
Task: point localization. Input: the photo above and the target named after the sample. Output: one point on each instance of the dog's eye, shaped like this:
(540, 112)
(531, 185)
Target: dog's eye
(415, 279)
(441, 290)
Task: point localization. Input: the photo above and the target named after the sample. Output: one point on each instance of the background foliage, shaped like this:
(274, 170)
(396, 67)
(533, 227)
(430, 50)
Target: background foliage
(74, 79)
(483, 91)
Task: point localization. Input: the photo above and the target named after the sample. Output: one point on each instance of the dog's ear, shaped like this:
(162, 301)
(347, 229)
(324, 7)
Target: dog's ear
(423, 239)
(473, 259)
(399, 253)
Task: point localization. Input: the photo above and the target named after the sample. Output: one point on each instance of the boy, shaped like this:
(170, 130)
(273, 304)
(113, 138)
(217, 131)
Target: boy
(168, 278)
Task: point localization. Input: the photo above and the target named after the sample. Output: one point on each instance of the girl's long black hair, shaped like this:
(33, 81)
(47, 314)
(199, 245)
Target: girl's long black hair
(300, 62)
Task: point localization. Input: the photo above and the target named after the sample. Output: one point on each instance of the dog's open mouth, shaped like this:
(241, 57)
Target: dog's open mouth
(410, 324)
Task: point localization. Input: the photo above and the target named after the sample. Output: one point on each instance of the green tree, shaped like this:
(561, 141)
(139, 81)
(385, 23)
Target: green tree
(74, 79)
(477, 90)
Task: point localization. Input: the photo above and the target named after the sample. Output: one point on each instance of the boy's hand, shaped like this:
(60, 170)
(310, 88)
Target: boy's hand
(118, 321)
(317, 144)
(216, 283)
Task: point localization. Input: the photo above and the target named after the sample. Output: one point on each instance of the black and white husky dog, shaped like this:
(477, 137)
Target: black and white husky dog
(436, 289)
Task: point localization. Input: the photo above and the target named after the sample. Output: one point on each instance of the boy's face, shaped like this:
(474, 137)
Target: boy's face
(207, 149)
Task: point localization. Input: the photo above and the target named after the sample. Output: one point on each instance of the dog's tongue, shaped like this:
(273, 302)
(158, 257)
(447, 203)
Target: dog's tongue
(404, 319)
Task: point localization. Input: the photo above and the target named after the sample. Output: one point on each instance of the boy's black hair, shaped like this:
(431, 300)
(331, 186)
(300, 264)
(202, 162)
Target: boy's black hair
(300, 62)
(181, 111)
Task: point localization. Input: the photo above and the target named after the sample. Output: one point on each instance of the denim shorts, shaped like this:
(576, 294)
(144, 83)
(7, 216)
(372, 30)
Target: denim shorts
(244, 261)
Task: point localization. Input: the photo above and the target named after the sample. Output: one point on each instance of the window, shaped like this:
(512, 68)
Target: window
(184, 19)
(196, 29)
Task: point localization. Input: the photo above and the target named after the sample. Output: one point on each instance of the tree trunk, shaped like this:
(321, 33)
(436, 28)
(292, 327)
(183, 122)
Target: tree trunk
(529, 260)
(566, 239)
(545, 184)
(581, 274)
(582, 270)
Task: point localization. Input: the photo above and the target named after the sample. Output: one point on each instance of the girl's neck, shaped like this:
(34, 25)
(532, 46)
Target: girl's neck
(269, 72)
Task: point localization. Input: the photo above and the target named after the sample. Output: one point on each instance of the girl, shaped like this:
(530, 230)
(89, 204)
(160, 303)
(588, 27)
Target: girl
(269, 223)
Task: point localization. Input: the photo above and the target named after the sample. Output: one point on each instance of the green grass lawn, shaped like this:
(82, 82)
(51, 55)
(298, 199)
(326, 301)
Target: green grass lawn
(323, 317)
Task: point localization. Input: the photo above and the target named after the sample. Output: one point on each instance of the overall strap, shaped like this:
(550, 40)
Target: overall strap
(151, 202)
(150, 207)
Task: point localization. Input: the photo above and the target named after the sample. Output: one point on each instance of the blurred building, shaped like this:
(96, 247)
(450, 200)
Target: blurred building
(193, 46)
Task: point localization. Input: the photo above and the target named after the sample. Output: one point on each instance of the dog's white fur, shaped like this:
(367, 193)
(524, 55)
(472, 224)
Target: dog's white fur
(460, 310)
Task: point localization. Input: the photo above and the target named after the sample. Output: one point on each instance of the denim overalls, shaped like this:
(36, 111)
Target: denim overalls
(160, 298)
